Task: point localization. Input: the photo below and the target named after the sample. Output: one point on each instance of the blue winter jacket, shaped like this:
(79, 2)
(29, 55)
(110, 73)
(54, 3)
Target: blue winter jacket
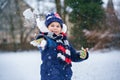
(54, 69)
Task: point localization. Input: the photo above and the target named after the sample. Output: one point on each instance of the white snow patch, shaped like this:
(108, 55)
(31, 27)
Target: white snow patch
(25, 65)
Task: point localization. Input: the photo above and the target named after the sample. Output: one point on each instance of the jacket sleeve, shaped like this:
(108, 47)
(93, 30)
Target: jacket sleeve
(75, 56)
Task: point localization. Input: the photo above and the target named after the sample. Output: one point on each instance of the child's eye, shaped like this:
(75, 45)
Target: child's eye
(58, 26)
(52, 25)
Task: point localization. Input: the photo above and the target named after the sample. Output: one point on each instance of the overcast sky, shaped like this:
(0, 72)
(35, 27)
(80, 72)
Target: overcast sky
(46, 6)
(34, 4)
(114, 1)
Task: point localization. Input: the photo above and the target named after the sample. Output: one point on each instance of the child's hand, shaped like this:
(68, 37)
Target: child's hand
(83, 53)
(36, 42)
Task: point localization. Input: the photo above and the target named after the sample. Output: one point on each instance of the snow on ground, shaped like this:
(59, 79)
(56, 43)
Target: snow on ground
(26, 66)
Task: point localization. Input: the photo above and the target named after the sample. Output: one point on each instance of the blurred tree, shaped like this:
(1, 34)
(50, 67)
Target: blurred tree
(24, 32)
(61, 8)
(86, 14)
(118, 9)
(17, 6)
(12, 25)
(109, 35)
(58, 6)
(12, 29)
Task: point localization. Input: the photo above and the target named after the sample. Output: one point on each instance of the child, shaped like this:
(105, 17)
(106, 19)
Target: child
(56, 51)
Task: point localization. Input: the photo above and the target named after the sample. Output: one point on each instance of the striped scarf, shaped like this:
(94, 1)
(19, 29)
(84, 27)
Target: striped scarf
(63, 52)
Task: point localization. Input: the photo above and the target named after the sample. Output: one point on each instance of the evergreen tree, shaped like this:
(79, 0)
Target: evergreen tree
(86, 14)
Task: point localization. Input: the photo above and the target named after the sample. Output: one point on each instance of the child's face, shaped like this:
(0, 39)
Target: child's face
(55, 27)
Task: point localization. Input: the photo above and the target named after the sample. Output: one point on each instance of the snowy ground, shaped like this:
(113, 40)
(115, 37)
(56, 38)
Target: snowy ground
(25, 66)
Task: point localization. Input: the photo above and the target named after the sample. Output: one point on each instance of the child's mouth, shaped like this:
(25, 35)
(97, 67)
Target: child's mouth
(54, 31)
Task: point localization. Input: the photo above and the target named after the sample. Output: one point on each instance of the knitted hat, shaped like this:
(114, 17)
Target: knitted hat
(53, 17)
